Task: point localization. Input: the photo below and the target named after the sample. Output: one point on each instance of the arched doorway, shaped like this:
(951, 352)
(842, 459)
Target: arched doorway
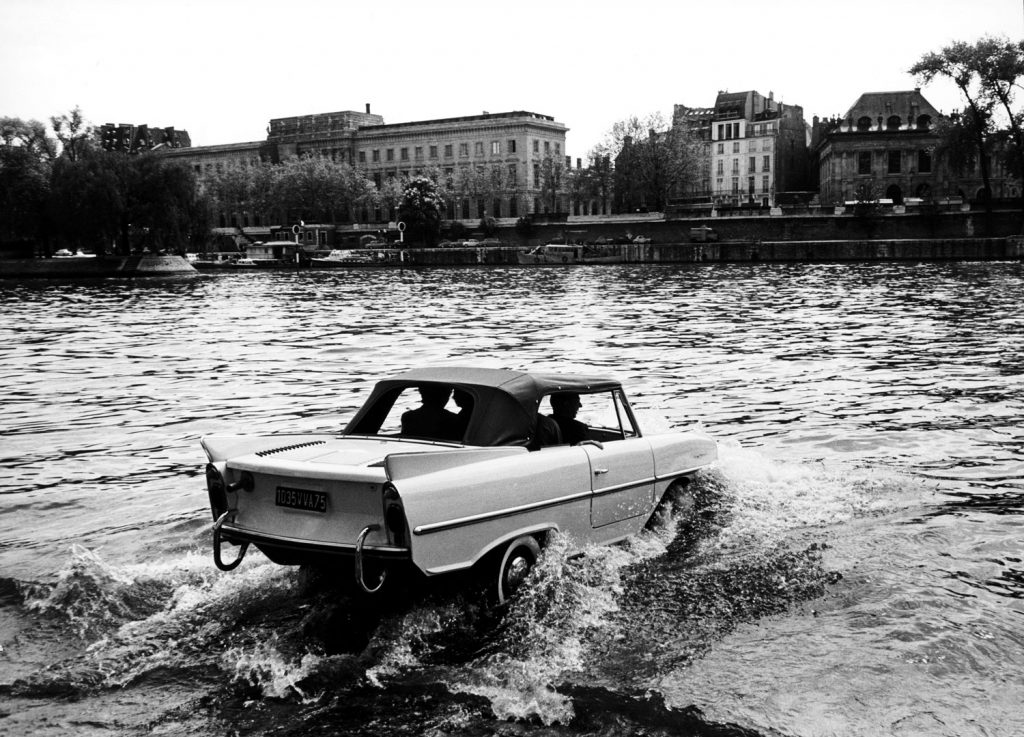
(895, 194)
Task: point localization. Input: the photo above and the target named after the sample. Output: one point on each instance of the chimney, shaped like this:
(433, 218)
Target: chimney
(367, 108)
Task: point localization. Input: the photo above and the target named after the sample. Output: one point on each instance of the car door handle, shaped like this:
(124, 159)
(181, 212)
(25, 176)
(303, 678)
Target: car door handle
(599, 471)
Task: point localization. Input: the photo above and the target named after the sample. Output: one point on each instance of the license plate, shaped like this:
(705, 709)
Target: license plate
(304, 499)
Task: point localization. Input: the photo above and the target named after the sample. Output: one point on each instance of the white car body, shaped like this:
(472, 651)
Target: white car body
(443, 504)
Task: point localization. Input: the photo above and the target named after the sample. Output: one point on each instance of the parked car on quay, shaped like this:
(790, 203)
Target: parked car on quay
(447, 470)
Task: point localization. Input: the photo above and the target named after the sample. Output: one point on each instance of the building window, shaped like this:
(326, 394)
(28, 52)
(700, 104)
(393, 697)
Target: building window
(389, 155)
(753, 164)
(536, 146)
(448, 150)
(511, 147)
(463, 149)
(766, 163)
(766, 145)
(735, 185)
(721, 148)
(478, 148)
(895, 161)
(735, 166)
(404, 153)
(495, 148)
(764, 183)
(433, 152)
(362, 157)
(512, 174)
(547, 147)
(558, 149)
(376, 154)
(924, 122)
(536, 176)
(752, 146)
(893, 123)
(863, 123)
(924, 162)
(864, 162)
(418, 152)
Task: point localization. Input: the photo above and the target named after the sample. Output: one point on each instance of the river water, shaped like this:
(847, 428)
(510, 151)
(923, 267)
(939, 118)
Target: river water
(856, 566)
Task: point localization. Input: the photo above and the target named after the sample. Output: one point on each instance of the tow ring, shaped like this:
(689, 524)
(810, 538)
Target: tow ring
(359, 562)
(216, 544)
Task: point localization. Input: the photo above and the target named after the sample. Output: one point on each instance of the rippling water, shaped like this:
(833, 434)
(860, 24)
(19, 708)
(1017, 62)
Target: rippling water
(856, 568)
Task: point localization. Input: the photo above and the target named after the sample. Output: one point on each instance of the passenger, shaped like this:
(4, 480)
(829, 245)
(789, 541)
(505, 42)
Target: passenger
(432, 420)
(465, 402)
(565, 406)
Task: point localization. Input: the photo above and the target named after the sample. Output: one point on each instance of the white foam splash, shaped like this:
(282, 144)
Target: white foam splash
(266, 667)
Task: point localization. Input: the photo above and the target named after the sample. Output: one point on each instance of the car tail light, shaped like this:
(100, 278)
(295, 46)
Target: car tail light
(217, 490)
(394, 517)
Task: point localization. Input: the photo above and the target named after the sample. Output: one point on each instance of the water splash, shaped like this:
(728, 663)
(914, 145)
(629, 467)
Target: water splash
(266, 667)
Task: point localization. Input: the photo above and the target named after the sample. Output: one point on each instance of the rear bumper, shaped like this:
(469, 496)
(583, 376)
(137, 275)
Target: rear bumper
(294, 551)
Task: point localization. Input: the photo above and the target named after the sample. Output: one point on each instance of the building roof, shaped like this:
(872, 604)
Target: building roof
(904, 103)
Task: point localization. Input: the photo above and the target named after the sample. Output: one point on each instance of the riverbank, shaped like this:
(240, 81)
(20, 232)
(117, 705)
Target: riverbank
(85, 267)
(940, 249)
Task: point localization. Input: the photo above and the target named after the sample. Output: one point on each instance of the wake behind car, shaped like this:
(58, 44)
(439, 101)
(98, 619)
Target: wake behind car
(449, 469)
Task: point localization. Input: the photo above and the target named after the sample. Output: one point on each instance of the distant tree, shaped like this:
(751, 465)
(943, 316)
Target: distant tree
(24, 192)
(26, 160)
(165, 210)
(420, 209)
(389, 195)
(652, 161)
(89, 199)
(553, 179)
(74, 133)
(960, 64)
(30, 135)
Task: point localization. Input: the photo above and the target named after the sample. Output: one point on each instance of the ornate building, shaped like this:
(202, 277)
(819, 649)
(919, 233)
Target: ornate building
(882, 148)
(493, 160)
(888, 147)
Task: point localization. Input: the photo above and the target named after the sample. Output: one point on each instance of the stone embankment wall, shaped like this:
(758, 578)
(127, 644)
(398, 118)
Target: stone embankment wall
(790, 227)
(739, 251)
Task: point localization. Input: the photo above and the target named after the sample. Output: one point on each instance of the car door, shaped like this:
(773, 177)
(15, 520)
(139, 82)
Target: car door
(622, 476)
(621, 462)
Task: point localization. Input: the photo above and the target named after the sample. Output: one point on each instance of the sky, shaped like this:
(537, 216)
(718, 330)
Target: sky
(222, 69)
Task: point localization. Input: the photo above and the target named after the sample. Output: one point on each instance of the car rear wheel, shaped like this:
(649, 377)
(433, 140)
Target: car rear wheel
(519, 559)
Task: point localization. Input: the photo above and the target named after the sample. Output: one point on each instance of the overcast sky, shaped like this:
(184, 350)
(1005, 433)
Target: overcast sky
(221, 69)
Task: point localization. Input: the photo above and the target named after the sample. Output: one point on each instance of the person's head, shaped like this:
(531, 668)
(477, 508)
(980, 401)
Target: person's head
(434, 396)
(566, 404)
(463, 399)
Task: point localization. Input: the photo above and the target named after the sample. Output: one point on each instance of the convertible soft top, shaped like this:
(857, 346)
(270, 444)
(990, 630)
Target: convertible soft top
(506, 402)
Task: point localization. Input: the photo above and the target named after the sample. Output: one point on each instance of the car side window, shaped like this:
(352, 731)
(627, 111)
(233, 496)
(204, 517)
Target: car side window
(606, 416)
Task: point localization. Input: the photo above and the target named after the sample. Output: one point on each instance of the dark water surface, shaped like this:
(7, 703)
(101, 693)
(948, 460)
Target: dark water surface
(856, 567)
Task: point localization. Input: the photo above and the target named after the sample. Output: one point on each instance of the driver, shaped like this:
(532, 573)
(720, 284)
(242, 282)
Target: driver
(564, 408)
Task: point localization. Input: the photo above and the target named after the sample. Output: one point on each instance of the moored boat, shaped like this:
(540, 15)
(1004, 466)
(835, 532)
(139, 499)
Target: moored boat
(567, 253)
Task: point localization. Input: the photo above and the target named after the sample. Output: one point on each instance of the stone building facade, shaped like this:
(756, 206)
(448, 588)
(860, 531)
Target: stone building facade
(888, 147)
(756, 149)
(883, 148)
(493, 160)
